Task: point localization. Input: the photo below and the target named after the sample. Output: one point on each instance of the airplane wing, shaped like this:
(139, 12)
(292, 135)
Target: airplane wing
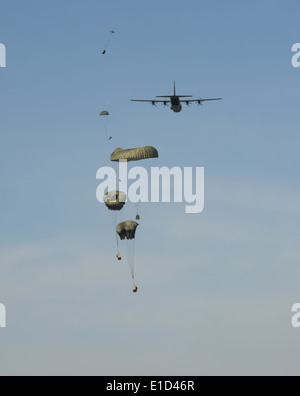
(151, 101)
(199, 101)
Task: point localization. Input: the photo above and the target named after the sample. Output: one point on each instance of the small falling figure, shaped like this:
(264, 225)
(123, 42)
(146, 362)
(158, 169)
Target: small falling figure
(110, 36)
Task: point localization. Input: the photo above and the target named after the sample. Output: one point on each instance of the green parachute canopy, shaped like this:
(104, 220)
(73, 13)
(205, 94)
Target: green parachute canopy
(127, 229)
(104, 113)
(114, 200)
(134, 154)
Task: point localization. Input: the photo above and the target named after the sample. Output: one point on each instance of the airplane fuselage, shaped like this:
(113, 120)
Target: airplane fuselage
(175, 104)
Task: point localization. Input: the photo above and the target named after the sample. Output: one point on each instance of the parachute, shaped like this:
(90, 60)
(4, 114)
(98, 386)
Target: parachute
(135, 154)
(114, 200)
(127, 230)
(112, 32)
(105, 115)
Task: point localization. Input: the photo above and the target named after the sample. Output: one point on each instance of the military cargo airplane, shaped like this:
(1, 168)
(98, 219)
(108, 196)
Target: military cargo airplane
(175, 100)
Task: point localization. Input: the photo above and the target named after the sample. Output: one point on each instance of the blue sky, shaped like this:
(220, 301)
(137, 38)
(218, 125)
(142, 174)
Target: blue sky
(216, 289)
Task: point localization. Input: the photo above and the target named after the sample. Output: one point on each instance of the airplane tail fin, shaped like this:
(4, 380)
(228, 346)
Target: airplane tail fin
(169, 96)
(174, 94)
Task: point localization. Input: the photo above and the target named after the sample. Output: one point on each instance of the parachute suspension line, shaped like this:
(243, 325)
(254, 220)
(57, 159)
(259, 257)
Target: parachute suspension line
(112, 32)
(105, 115)
(126, 231)
(116, 167)
(106, 129)
(133, 262)
(118, 242)
(115, 201)
(107, 135)
(116, 220)
(130, 255)
(108, 41)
